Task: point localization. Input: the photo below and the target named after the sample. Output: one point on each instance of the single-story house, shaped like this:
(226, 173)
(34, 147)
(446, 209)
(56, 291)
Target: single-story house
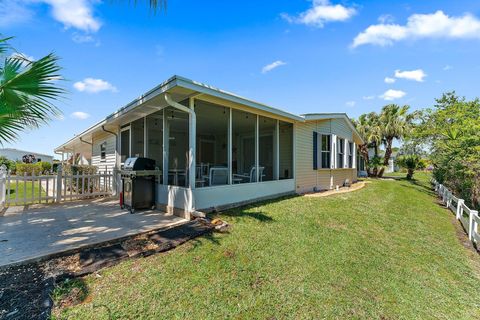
(216, 149)
(17, 155)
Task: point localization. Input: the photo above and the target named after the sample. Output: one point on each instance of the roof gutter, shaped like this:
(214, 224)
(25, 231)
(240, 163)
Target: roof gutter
(107, 131)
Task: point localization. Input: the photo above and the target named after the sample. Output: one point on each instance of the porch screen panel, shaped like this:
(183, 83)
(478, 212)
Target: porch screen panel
(124, 145)
(212, 144)
(138, 139)
(286, 150)
(177, 147)
(243, 146)
(266, 148)
(155, 138)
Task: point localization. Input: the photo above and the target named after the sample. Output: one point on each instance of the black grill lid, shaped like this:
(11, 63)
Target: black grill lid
(139, 163)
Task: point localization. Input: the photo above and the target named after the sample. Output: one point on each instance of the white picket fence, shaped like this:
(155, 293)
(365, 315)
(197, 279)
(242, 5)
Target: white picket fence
(468, 218)
(53, 188)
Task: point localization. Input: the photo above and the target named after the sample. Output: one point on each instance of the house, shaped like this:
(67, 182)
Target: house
(216, 149)
(17, 155)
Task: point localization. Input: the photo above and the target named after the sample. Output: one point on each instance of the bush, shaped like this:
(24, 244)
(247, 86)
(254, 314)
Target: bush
(7, 163)
(46, 166)
(28, 168)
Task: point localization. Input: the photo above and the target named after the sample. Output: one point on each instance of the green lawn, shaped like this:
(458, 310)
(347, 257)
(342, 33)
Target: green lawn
(386, 251)
(21, 190)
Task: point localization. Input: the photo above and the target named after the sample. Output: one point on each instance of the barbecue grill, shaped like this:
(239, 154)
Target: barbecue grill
(138, 180)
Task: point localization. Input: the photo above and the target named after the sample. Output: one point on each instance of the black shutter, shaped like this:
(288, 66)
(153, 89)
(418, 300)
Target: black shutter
(315, 150)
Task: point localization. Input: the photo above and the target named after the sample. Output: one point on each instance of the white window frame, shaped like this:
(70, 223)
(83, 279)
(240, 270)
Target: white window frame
(350, 152)
(340, 153)
(103, 158)
(321, 152)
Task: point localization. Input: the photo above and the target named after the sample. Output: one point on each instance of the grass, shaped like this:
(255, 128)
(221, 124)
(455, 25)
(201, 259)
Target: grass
(387, 251)
(21, 190)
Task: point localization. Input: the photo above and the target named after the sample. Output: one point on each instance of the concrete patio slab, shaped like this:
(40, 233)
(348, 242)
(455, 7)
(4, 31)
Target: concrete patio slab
(27, 235)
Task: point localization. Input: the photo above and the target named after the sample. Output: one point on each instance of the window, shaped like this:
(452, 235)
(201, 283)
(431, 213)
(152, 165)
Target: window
(340, 152)
(350, 154)
(325, 150)
(103, 151)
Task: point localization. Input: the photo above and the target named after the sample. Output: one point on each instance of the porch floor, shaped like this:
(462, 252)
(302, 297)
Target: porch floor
(35, 232)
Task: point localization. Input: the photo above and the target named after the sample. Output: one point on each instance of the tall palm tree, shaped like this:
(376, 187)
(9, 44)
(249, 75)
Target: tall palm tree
(27, 90)
(396, 123)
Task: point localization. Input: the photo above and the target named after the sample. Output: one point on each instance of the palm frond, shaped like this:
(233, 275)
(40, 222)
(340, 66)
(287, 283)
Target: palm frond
(27, 91)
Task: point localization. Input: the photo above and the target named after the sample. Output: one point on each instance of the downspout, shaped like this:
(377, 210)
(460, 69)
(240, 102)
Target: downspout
(191, 155)
(90, 143)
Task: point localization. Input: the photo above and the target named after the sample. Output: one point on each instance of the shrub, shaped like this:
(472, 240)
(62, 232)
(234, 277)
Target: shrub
(9, 164)
(28, 168)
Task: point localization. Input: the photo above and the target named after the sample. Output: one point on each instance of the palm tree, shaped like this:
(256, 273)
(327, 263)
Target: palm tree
(395, 122)
(27, 89)
(369, 128)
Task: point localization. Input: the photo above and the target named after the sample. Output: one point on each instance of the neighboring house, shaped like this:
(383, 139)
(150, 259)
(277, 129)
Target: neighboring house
(215, 149)
(17, 155)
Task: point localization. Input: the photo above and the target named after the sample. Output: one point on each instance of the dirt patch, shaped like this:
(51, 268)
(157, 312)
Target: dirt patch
(356, 186)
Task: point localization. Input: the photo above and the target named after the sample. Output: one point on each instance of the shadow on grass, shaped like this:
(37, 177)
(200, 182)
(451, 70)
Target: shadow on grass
(247, 212)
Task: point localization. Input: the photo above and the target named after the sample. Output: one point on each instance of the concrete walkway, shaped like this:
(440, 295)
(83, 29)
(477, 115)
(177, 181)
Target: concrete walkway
(36, 232)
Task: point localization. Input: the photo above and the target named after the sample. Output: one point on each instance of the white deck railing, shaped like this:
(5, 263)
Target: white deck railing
(468, 218)
(55, 187)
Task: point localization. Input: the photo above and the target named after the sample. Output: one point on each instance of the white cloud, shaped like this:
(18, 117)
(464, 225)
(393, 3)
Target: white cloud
(368, 97)
(447, 67)
(435, 25)
(273, 65)
(386, 18)
(91, 85)
(82, 38)
(391, 94)
(14, 12)
(350, 103)
(80, 115)
(415, 75)
(76, 14)
(321, 12)
(389, 80)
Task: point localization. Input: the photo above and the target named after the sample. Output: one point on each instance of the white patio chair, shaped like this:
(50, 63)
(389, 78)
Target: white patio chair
(218, 176)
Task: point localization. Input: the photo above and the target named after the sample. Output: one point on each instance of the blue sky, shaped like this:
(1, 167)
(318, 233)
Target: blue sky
(301, 56)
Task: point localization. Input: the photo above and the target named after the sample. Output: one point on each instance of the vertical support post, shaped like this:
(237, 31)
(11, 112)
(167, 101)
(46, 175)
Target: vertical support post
(166, 133)
(192, 145)
(459, 208)
(145, 138)
(3, 181)
(471, 224)
(276, 151)
(58, 196)
(256, 150)
(354, 155)
(345, 153)
(230, 146)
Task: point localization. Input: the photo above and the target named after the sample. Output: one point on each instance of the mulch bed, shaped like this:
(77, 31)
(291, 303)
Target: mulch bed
(25, 289)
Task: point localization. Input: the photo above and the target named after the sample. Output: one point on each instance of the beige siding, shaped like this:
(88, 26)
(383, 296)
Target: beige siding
(110, 157)
(307, 179)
